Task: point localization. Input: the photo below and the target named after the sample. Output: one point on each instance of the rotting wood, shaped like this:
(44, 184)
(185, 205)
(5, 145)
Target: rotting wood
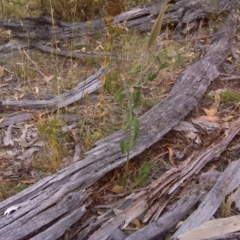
(46, 195)
(178, 211)
(161, 189)
(227, 183)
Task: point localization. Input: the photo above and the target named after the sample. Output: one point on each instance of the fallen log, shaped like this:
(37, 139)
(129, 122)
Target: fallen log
(177, 212)
(183, 17)
(90, 85)
(40, 205)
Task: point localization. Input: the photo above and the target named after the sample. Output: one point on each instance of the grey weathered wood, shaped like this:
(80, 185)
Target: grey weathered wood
(117, 235)
(49, 194)
(227, 182)
(90, 85)
(80, 55)
(220, 228)
(41, 216)
(106, 155)
(184, 15)
(158, 228)
(59, 228)
(230, 236)
(159, 191)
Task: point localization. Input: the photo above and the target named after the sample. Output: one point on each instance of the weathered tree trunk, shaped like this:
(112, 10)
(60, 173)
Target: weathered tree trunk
(183, 17)
(49, 207)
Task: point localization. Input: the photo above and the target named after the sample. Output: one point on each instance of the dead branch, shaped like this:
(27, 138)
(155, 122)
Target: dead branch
(183, 17)
(90, 85)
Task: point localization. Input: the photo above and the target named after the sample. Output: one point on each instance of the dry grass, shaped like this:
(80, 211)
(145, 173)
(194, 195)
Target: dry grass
(77, 10)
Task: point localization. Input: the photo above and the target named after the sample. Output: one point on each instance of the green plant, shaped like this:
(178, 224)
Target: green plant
(121, 180)
(139, 178)
(157, 25)
(52, 131)
(230, 96)
(143, 173)
(20, 187)
(8, 189)
(131, 92)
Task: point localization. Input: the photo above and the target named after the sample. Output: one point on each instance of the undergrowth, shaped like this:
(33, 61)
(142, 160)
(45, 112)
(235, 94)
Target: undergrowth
(230, 96)
(76, 10)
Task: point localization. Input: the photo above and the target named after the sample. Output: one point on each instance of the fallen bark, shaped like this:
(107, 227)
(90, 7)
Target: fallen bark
(46, 195)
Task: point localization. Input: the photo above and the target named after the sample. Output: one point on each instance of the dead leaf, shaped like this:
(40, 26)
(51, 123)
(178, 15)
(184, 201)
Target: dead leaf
(229, 59)
(117, 189)
(48, 78)
(171, 154)
(137, 226)
(1, 71)
(211, 112)
(117, 211)
(209, 118)
(217, 98)
(100, 212)
(29, 181)
(227, 118)
(36, 90)
(35, 114)
(22, 95)
(198, 140)
(40, 80)
(83, 50)
(1, 120)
